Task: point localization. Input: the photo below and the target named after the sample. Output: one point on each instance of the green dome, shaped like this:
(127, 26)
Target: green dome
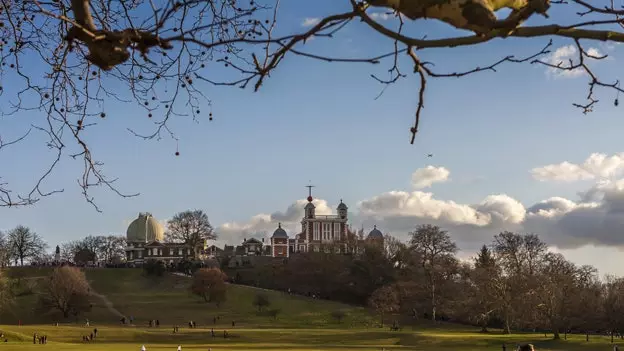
(145, 229)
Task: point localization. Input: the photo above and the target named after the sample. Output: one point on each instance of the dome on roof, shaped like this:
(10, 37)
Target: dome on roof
(309, 205)
(342, 206)
(279, 232)
(375, 234)
(145, 229)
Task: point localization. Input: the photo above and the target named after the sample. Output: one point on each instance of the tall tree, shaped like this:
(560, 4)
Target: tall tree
(485, 276)
(191, 228)
(111, 248)
(520, 257)
(24, 244)
(437, 251)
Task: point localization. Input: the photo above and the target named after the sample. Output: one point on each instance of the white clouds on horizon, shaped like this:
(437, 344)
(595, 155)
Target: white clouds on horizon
(595, 218)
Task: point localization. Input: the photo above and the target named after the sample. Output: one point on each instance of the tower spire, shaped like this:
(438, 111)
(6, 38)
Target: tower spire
(310, 192)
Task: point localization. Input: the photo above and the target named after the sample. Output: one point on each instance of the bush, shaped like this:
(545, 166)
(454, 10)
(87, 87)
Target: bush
(154, 268)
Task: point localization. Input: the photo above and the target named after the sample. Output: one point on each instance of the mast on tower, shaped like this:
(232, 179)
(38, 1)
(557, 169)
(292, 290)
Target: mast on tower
(310, 192)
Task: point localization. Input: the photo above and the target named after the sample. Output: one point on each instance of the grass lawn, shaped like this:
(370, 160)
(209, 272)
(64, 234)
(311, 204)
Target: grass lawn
(303, 324)
(67, 337)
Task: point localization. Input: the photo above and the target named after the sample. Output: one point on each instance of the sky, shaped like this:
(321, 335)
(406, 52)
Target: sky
(510, 152)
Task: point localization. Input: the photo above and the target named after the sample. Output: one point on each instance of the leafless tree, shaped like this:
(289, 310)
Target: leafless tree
(24, 244)
(111, 248)
(435, 249)
(190, 227)
(384, 300)
(67, 291)
(64, 59)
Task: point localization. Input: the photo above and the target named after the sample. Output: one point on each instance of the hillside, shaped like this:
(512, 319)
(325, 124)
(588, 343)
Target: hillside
(168, 299)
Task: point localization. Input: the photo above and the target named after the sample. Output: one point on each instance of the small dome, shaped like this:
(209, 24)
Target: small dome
(342, 206)
(375, 234)
(145, 229)
(279, 232)
(309, 205)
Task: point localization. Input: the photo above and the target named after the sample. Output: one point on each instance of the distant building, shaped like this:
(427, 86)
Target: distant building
(145, 240)
(327, 233)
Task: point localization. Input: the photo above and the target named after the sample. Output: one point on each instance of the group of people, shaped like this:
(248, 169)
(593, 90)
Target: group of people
(90, 337)
(40, 339)
(154, 323)
(123, 320)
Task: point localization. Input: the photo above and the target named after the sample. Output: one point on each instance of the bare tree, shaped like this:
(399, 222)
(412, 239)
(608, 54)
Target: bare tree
(24, 244)
(67, 291)
(191, 228)
(67, 58)
(5, 251)
(209, 284)
(111, 248)
(384, 300)
(435, 249)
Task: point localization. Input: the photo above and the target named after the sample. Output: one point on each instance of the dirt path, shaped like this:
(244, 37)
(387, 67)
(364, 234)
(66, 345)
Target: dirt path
(107, 303)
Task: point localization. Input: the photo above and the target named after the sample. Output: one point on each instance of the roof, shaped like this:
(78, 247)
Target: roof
(342, 206)
(375, 234)
(252, 241)
(279, 232)
(145, 229)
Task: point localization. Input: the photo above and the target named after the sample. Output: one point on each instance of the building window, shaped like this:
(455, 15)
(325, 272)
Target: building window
(179, 252)
(301, 248)
(317, 231)
(316, 249)
(338, 250)
(337, 235)
(326, 231)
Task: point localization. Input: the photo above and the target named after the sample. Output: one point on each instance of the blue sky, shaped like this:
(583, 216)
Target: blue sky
(319, 122)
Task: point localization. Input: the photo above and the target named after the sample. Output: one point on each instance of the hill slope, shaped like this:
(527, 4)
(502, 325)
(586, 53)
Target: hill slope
(127, 292)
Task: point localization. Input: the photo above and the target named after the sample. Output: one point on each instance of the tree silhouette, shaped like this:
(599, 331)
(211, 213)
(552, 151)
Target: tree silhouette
(62, 60)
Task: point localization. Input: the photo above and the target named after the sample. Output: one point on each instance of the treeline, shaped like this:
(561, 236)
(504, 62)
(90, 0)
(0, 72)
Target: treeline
(104, 249)
(513, 283)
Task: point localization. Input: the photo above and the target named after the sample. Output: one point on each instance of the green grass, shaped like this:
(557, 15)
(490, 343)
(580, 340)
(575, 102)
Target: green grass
(117, 338)
(304, 324)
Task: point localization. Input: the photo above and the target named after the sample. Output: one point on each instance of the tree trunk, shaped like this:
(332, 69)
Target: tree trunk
(382, 320)
(507, 329)
(565, 334)
(433, 301)
(586, 336)
(556, 335)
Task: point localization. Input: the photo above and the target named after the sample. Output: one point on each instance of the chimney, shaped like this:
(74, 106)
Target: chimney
(262, 239)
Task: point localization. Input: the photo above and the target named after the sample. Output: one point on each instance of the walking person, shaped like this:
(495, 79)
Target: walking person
(179, 347)
(143, 348)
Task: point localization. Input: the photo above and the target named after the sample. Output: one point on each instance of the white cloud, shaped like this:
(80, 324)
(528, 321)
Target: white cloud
(425, 177)
(310, 21)
(566, 54)
(596, 166)
(384, 16)
(595, 218)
